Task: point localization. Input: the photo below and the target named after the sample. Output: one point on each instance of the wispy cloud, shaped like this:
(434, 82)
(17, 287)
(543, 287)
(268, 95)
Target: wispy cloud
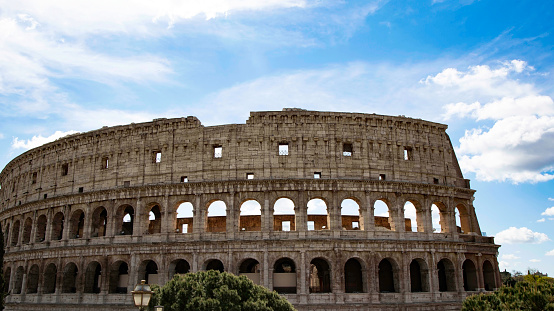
(515, 235)
(38, 140)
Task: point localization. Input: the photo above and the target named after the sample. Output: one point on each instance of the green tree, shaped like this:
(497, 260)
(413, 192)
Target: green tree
(534, 293)
(216, 291)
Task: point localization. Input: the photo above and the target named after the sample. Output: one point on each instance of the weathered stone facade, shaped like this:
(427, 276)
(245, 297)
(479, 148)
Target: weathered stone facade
(88, 216)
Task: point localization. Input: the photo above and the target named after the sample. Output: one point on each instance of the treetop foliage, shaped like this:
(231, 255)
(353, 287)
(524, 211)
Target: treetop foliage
(216, 291)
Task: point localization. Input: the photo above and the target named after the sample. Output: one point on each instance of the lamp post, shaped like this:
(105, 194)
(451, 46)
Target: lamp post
(141, 295)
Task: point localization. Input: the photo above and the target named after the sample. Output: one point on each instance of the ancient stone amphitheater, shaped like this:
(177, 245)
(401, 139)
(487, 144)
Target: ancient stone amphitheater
(288, 199)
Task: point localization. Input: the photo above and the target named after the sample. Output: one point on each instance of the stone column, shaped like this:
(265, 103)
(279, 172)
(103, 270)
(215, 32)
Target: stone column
(66, 223)
(267, 216)
(34, 229)
(198, 213)
(334, 210)
(301, 211)
(137, 221)
(368, 213)
(168, 216)
(265, 276)
(231, 220)
(88, 222)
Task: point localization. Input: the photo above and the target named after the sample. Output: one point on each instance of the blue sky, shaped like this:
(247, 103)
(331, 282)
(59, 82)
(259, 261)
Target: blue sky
(485, 68)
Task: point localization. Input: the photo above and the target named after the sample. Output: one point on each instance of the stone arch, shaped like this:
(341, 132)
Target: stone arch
(284, 214)
(383, 214)
(250, 218)
(57, 226)
(69, 278)
(489, 276)
(93, 276)
(388, 276)
(414, 211)
(446, 275)
(351, 214)
(250, 268)
(353, 276)
(77, 224)
(318, 214)
(32, 279)
(213, 264)
(469, 273)
(18, 282)
(27, 227)
(125, 220)
(439, 217)
(320, 276)
(419, 276)
(462, 219)
(184, 217)
(284, 276)
(154, 219)
(148, 271)
(15, 232)
(216, 220)
(7, 279)
(119, 277)
(6, 233)
(99, 222)
(49, 281)
(41, 228)
(178, 266)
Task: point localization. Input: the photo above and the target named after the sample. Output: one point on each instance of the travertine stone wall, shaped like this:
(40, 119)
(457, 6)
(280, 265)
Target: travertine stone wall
(75, 213)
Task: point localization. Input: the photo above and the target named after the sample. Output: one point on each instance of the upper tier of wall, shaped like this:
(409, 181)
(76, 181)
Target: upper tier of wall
(123, 156)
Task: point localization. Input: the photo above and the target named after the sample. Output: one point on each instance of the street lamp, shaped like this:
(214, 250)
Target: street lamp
(141, 295)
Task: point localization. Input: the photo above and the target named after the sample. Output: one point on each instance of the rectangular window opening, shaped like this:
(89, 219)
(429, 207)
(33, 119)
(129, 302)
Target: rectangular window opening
(382, 176)
(436, 181)
(65, 169)
(185, 228)
(283, 149)
(218, 151)
(157, 156)
(35, 175)
(317, 175)
(45, 196)
(311, 225)
(81, 189)
(408, 154)
(184, 179)
(347, 149)
(355, 225)
(105, 162)
(249, 175)
(285, 225)
(126, 184)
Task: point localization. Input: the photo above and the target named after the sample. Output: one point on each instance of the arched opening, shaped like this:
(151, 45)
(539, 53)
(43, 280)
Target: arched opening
(469, 275)
(383, 219)
(184, 219)
(217, 217)
(41, 228)
(320, 276)
(77, 224)
(214, 264)
(462, 219)
(438, 215)
(93, 277)
(32, 280)
(15, 233)
(7, 278)
(250, 218)
(154, 220)
(447, 276)
(99, 222)
(27, 230)
(387, 282)
(284, 217)
(148, 271)
(419, 276)
(119, 278)
(353, 276)
(69, 280)
(351, 216)
(179, 266)
(251, 269)
(127, 217)
(413, 216)
(284, 276)
(6, 234)
(57, 226)
(49, 282)
(488, 276)
(318, 217)
(18, 280)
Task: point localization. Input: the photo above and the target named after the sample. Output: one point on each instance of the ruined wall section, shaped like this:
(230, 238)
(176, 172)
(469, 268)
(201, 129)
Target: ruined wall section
(125, 156)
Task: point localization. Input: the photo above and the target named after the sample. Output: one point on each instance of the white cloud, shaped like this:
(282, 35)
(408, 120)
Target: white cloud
(550, 199)
(509, 257)
(550, 253)
(515, 235)
(534, 260)
(541, 220)
(504, 265)
(38, 140)
(548, 212)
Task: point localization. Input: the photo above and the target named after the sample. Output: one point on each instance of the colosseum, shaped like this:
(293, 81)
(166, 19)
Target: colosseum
(335, 211)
